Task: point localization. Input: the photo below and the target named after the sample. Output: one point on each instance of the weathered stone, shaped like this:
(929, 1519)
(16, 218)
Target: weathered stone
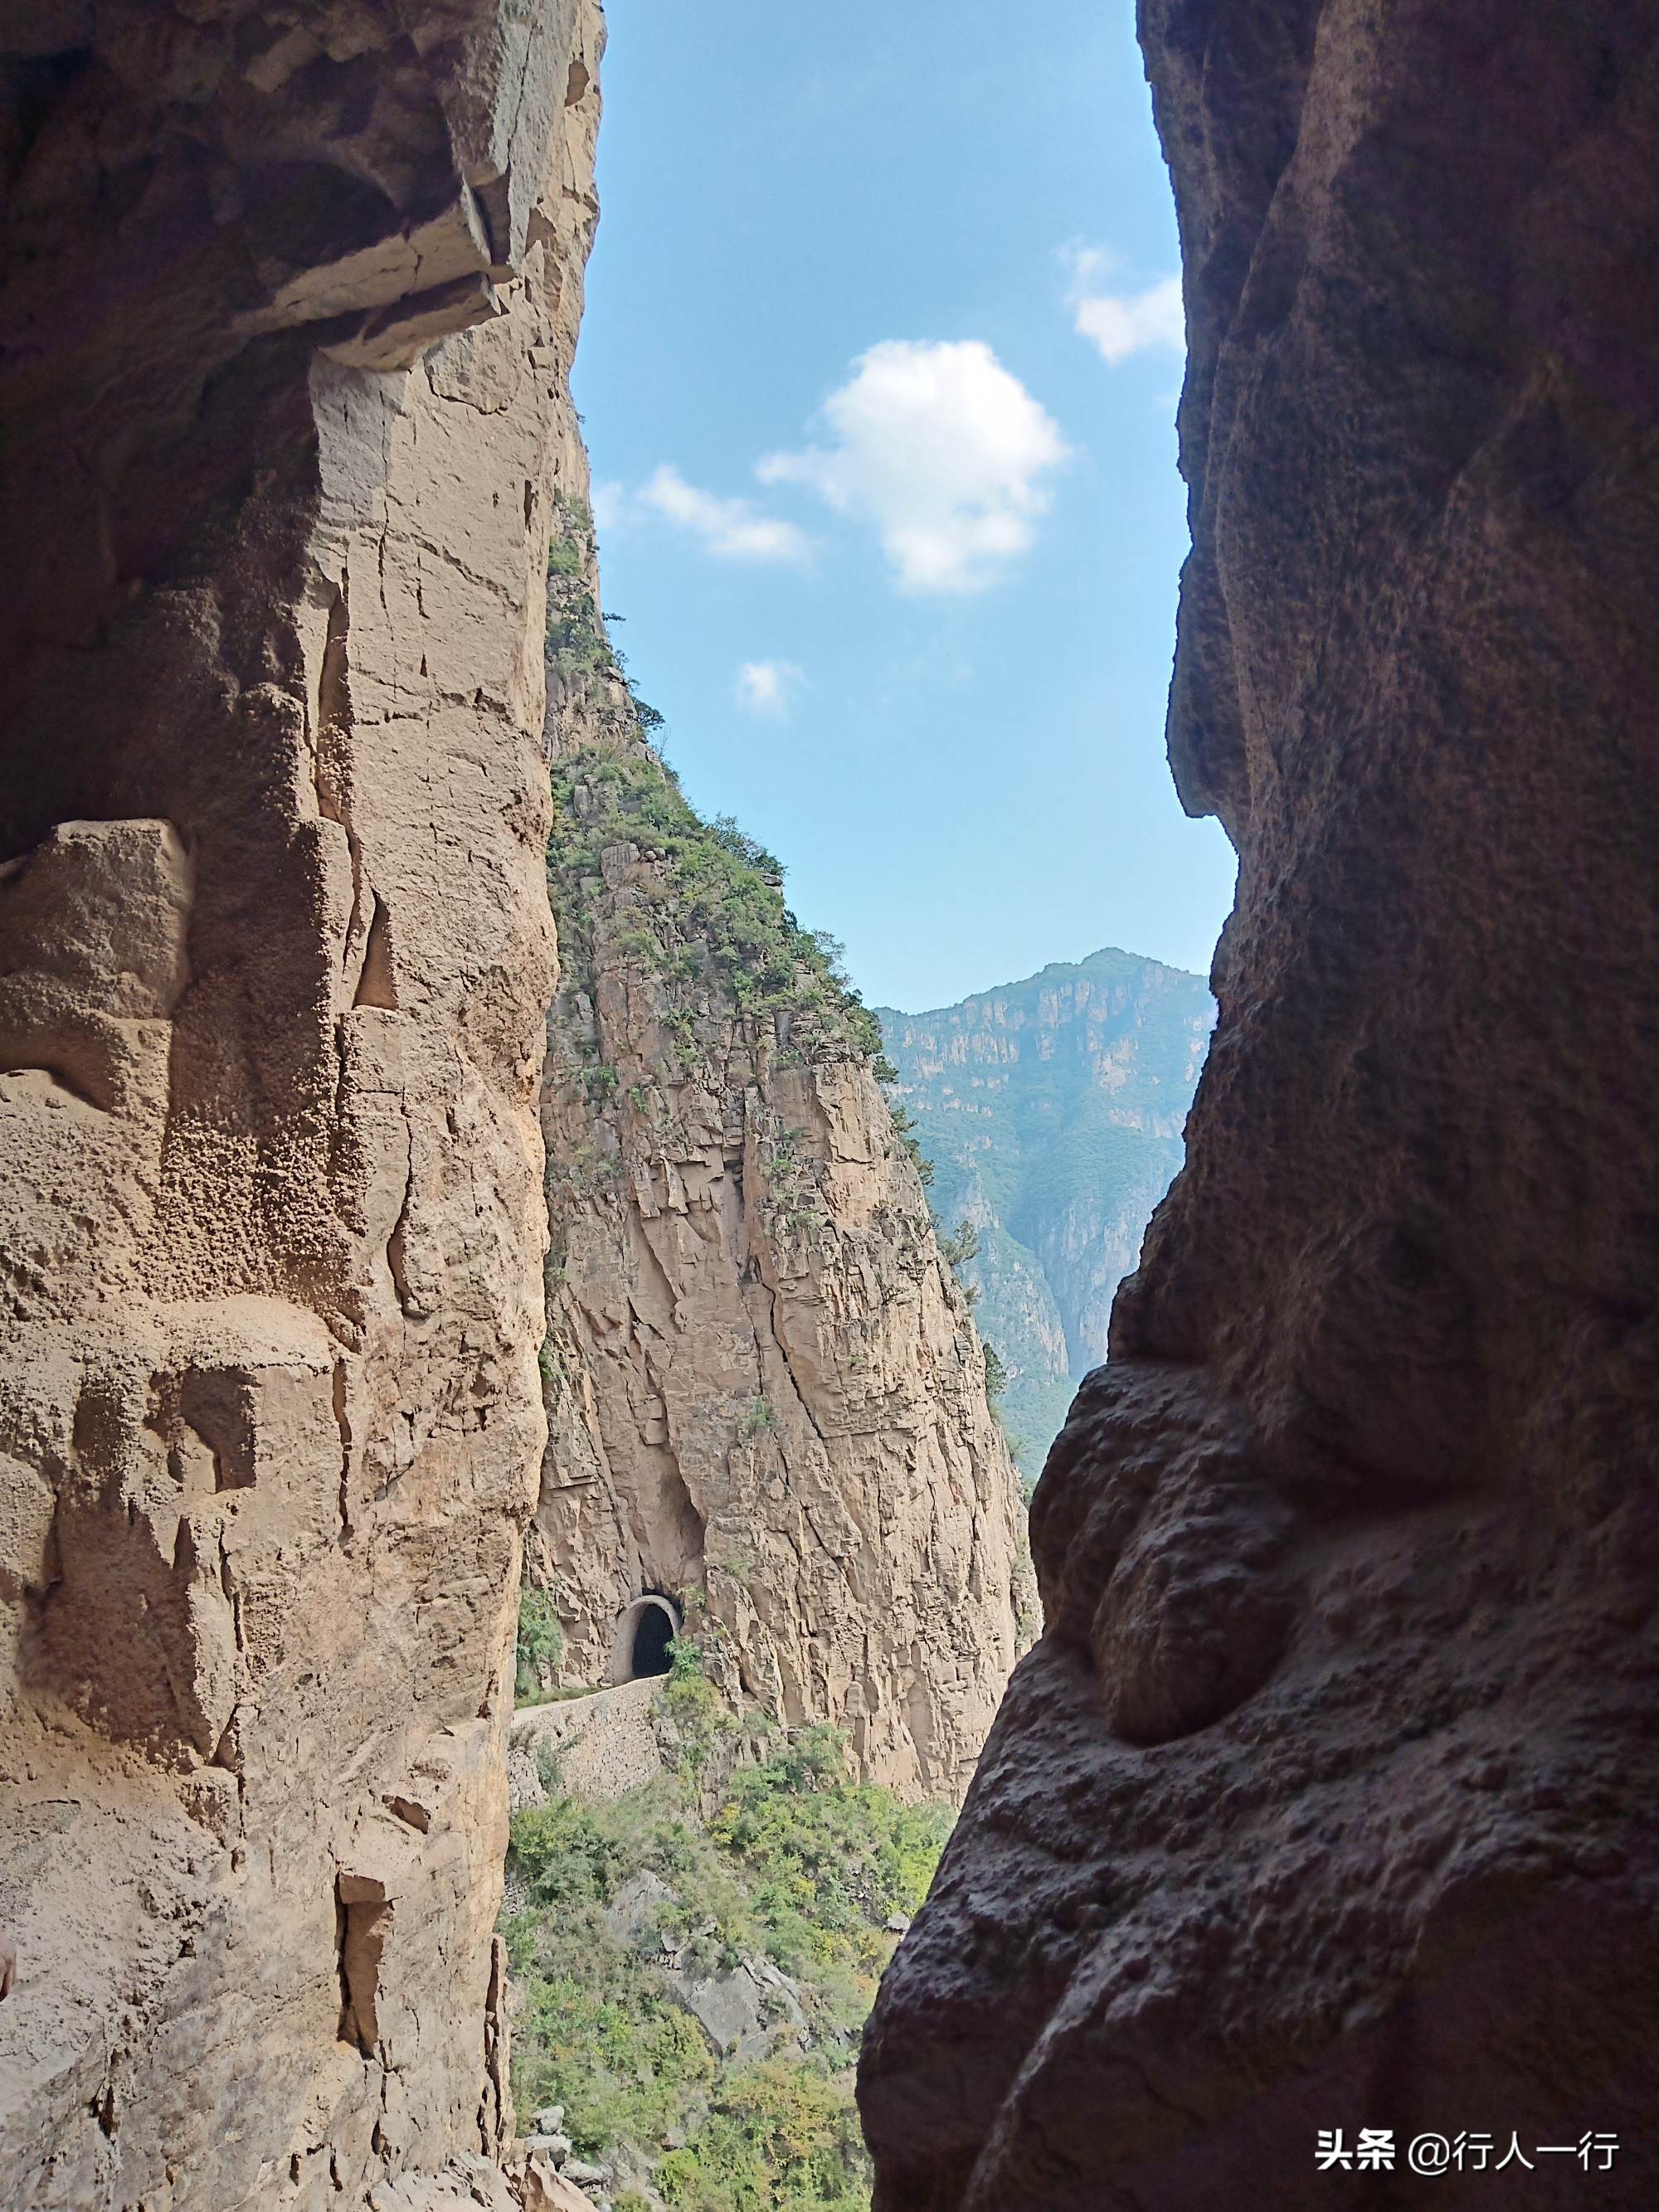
(792, 1421)
(745, 2010)
(1327, 1799)
(275, 956)
(638, 1905)
(766, 1394)
(549, 2144)
(539, 2186)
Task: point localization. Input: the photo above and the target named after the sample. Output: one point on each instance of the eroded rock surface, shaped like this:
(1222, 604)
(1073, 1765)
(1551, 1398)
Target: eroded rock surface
(766, 1395)
(288, 297)
(769, 1396)
(1327, 1799)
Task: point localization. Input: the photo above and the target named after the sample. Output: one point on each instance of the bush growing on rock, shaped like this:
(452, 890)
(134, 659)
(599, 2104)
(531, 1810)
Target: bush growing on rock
(801, 1870)
(719, 889)
(539, 1649)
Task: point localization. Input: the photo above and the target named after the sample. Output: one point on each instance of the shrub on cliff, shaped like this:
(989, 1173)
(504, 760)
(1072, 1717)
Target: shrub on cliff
(780, 2135)
(828, 1860)
(960, 1246)
(716, 887)
(566, 1855)
(801, 1865)
(539, 1649)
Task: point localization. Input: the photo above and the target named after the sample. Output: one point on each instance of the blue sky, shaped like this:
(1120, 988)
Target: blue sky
(879, 375)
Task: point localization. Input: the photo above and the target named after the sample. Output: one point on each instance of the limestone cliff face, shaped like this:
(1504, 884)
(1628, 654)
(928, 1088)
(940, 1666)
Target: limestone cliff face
(1327, 1799)
(288, 297)
(767, 1398)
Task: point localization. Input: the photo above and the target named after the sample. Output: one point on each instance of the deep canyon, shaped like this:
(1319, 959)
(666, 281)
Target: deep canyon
(432, 1157)
(764, 1385)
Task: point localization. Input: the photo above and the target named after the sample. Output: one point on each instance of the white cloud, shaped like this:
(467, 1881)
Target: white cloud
(944, 450)
(763, 687)
(610, 506)
(730, 528)
(1121, 323)
(1137, 322)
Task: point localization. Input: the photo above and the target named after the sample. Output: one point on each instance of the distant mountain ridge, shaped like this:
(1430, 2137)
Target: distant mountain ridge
(1053, 1109)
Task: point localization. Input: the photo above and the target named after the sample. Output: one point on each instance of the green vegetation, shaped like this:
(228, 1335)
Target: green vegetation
(716, 901)
(584, 662)
(781, 2137)
(961, 1246)
(539, 1651)
(694, 1709)
(904, 1128)
(800, 1865)
(996, 1374)
(717, 894)
(576, 642)
(1051, 1109)
(566, 555)
(827, 1860)
(756, 1417)
(792, 1189)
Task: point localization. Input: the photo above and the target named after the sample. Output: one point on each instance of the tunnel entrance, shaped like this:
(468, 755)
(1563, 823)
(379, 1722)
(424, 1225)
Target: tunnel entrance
(653, 1634)
(643, 1636)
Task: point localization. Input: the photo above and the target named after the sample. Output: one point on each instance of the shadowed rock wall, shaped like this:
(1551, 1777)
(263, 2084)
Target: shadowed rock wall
(288, 297)
(1326, 1800)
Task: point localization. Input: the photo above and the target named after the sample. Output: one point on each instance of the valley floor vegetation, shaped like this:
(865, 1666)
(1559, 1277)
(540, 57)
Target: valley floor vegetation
(619, 1914)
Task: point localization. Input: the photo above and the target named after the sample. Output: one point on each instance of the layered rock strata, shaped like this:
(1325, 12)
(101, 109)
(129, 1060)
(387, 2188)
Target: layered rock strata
(1325, 1801)
(288, 297)
(766, 1395)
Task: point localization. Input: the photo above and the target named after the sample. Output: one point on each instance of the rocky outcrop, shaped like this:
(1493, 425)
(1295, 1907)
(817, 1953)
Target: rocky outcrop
(1327, 1799)
(1052, 1110)
(766, 1397)
(288, 296)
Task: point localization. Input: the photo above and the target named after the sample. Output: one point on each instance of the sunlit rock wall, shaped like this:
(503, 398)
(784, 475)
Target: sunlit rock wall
(766, 1395)
(289, 298)
(1327, 1799)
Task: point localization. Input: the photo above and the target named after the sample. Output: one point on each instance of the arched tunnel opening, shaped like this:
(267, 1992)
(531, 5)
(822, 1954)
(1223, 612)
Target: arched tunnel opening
(643, 1635)
(653, 1634)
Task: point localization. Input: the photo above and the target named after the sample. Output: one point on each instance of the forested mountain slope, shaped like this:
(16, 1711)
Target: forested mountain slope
(1053, 1109)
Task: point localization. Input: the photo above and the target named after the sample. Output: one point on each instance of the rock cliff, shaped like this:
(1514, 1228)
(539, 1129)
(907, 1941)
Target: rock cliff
(1052, 1110)
(289, 295)
(1327, 1799)
(767, 1399)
